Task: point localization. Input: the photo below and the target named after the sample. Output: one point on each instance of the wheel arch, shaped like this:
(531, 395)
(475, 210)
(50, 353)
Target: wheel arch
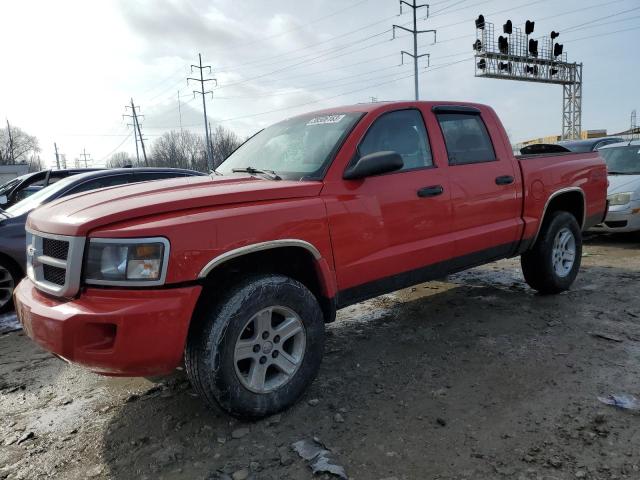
(295, 258)
(571, 200)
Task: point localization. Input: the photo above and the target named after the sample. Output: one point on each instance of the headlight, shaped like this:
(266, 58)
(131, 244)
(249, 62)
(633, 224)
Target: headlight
(620, 198)
(131, 261)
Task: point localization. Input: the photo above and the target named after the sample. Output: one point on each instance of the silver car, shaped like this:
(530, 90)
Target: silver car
(623, 164)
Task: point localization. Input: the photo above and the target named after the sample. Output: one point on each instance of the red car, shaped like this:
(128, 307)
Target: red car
(238, 273)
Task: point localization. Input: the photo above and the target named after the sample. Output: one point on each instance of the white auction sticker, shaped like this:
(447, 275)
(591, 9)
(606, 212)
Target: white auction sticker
(324, 119)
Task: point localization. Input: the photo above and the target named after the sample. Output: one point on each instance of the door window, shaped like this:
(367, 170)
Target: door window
(101, 182)
(402, 132)
(466, 138)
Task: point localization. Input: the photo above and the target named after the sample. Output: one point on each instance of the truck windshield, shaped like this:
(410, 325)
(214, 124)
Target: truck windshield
(622, 160)
(295, 149)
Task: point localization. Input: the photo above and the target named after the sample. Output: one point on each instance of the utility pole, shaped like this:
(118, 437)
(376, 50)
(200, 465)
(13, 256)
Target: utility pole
(415, 32)
(179, 111)
(13, 160)
(202, 92)
(137, 132)
(55, 146)
(84, 155)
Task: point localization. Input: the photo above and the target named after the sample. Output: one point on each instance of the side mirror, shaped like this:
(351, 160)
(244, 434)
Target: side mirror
(374, 164)
(3, 200)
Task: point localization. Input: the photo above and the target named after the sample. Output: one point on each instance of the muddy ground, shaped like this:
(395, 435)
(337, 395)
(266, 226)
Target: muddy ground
(475, 377)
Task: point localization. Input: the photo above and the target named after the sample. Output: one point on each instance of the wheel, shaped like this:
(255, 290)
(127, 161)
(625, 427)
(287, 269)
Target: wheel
(8, 281)
(256, 350)
(552, 264)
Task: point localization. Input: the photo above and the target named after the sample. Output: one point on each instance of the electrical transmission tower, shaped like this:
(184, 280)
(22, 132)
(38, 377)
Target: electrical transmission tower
(84, 155)
(635, 133)
(415, 32)
(137, 132)
(202, 92)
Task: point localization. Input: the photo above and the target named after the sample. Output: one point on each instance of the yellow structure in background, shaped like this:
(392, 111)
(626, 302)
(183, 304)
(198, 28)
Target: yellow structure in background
(584, 135)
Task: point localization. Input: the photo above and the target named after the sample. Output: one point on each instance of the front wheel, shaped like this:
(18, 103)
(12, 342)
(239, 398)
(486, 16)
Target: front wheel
(256, 350)
(8, 280)
(552, 265)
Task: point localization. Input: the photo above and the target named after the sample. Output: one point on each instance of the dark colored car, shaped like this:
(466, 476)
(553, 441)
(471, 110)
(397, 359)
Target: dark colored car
(17, 189)
(12, 220)
(590, 144)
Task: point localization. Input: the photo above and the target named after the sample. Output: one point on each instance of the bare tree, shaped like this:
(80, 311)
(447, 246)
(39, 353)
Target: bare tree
(120, 160)
(223, 143)
(19, 147)
(177, 149)
(35, 163)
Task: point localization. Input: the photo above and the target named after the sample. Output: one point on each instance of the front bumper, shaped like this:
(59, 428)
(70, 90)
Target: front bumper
(620, 219)
(109, 331)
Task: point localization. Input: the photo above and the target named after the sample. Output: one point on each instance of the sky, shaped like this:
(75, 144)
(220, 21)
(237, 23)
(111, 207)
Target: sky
(71, 66)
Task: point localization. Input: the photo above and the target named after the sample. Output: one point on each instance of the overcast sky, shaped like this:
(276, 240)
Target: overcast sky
(69, 67)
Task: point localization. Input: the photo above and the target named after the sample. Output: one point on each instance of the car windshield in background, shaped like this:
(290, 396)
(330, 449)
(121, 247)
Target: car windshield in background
(39, 197)
(622, 160)
(6, 187)
(297, 148)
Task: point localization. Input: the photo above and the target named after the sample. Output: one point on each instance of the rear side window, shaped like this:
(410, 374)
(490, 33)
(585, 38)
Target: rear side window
(146, 176)
(466, 138)
(402, 132)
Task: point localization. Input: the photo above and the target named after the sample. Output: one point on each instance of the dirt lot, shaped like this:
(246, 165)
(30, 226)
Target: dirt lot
(475, 377)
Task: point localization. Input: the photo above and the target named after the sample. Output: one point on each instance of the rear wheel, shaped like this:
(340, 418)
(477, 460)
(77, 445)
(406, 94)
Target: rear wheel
(256, 350)
(552, 265)
(8, 280)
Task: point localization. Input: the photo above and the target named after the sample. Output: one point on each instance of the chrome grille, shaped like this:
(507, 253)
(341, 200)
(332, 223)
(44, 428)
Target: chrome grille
(55, 248)
(54, 262)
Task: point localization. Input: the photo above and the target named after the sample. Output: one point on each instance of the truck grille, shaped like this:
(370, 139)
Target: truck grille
(53, 274)
(54, 262)
(55, 248)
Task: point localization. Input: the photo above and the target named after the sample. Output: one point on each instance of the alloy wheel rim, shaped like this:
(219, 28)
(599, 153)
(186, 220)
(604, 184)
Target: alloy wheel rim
(6, 286)
(269, 349)
(563, 255)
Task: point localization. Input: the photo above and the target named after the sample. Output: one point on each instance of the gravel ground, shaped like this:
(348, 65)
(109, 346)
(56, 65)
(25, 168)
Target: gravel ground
(474, 377)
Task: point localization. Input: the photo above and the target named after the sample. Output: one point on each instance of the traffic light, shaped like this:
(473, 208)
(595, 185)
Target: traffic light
(532, 70)
(505, 66)
(503, 45)
(477, 45)
(557, 49)
(533, 47)
(482, 64)
(480, 22)
(508, 27)
(554, 35)
(528, 27)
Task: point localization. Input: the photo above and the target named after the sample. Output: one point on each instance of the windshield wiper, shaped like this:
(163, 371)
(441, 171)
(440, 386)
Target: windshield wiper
(270, 174)
(621, 173)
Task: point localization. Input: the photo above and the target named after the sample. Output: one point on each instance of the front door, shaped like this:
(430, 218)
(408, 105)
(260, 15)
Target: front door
(385, 229)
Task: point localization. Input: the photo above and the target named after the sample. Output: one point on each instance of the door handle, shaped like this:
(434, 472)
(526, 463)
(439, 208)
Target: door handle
(504, 180)
(432, 191)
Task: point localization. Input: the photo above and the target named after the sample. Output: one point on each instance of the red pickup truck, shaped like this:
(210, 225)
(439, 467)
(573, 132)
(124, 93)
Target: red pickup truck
(238, 273)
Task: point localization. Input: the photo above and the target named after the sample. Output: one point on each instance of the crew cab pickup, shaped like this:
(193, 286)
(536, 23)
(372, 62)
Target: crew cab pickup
(237, 274)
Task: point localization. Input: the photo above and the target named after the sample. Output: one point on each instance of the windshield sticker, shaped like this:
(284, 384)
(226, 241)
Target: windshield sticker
(325, 119)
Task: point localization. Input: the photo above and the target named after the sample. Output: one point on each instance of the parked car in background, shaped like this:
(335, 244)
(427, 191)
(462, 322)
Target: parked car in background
(623, 163)
(19, 188)
(590, 144)
(237, 274)
(12, 220)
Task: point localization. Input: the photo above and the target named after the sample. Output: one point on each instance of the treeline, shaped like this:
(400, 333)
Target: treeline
(182, 149)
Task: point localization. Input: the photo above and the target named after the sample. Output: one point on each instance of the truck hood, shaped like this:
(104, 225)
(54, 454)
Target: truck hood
(81, 213)
(623, 183)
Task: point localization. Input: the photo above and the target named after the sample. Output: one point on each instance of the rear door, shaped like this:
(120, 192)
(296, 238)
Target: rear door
(486, 207)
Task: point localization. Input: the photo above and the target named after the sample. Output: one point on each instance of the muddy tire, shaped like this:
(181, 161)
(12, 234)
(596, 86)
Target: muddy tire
(552, 265)
(256, 350)
(9, 278)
